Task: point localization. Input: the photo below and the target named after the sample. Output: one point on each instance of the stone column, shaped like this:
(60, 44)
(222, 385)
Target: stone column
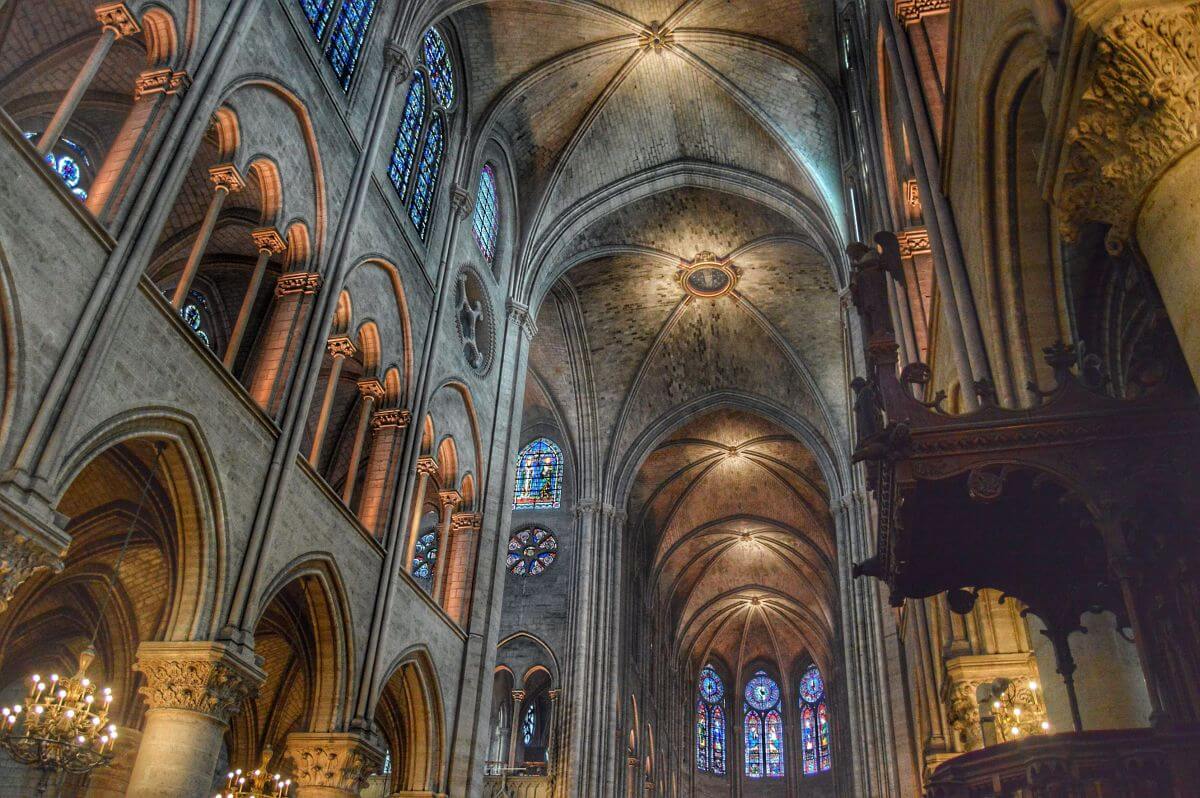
(226, 180)
(340, 348)
(116, 21)
(276, 352)
(447, 501)
(514, 731)
(156, 94)
(269, 242)
(386, 429)
(1130, 157)
(331, 765)
(191, 690)
(464, 529)
(372, 393)
(426, 468)
(112, 781)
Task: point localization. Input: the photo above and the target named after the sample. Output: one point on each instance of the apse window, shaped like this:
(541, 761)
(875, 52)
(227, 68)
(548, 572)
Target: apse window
(710, 723)
(762, 728)
(539, 476)
(814, 723)
(531, 551)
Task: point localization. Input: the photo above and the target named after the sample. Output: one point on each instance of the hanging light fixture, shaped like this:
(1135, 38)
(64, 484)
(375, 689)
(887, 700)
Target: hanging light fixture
(259, 783)
(63, 726)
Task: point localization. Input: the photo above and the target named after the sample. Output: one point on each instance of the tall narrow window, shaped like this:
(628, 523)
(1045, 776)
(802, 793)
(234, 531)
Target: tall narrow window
(539, 476)
(405, 148)
(317, 14)
(428, 171)
(762, 728)
(425, 556)
(710, 723)
(814, 723)
(349, 33)
(441, 72)
(485, 221)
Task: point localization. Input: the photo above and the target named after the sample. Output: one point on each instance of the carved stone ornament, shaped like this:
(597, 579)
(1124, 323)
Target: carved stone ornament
(371, 388)
(461, 522)
(428, 466)
(268, 240)
(297, 283)
(474, 321)
(20, 558)
(207, 678)
(910, 11)
(117, 18)
(519, 313)
(333, 761)
(340, 346)
(964, 714)
(707, 277)
(390, 418)
(1139, 113)
(226, 177)
(160, 81)
(914, 242)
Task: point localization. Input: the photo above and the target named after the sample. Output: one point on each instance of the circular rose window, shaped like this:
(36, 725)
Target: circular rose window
(531, 551)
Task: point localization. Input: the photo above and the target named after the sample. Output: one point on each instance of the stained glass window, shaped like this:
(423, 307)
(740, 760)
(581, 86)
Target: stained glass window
(425, 556)
(539, 476)
(349, 33)
(485, 221)
(441, 72)
(762, 726)
(808, 740)
(405, 148)
(193, 315)
(427, 176)
(67, 159)
(529, 725)
(814, 723)
(317, 14)
(531, 551)
(710, 723)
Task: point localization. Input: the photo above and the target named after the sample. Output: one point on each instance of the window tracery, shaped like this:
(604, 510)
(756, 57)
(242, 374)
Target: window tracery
(531, 551)
(710, 723)
(343, 41)
(485, 220)
(405, 148)
(762, 728)
(425, 556)
(814, 723)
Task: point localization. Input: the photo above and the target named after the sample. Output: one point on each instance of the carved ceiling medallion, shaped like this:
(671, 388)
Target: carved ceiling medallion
(707, 276)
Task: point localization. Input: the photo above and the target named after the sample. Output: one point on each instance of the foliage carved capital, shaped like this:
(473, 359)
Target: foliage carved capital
(21, 557)
(1139, 113)
(333, 761)
(206, 678)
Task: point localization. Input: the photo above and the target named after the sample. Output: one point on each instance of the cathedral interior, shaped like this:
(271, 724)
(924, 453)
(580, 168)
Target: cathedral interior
(599, 398)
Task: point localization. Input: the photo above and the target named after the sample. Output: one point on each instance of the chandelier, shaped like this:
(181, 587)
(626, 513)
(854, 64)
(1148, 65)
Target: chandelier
(1019, 711)
(259, 783)
(63, 725)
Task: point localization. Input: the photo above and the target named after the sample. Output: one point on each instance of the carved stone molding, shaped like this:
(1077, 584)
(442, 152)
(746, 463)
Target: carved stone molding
(963, 711)
(449, 498)
(519, 313)
(203, 677)
(461, 201)
(911, 11)
(587, 507)
(914, 242)
(428, 466)
(226, 177)
(461, 522)
(297, 283)
(340, 762)
(117, 18)
(268, 240)
(20, 558)
(371, 388)
(160, 81)
(390, 418)
(394, 57)
(1139, 112)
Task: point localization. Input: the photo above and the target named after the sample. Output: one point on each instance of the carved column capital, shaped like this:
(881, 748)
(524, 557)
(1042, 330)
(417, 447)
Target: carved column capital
(160, 81)
(428, 466)
(207, 678)
(20, 557)
(117, 18)
(340, 346)
(390, 418)
(395, 58)
(460, 522)
(518, 695)
(519, 313)
(963, 711)
(371, 388)
(461, 201)
(1138, 114)
(297, 283)
(227, 178)
(449, 499)
(267, 240)
(912, 11)
(332, 761)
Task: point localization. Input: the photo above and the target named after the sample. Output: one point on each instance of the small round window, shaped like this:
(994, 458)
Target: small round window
(531, 551)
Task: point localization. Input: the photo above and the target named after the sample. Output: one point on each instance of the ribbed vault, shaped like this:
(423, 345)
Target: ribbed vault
(734, 515)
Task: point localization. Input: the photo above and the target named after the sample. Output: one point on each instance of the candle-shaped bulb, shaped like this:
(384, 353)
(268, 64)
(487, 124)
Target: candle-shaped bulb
(1016, 731)
(1045, 725)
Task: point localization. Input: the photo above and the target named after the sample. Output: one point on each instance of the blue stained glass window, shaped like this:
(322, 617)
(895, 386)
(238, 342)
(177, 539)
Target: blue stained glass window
(529, 725)
(762, 727)
(349, 33)
(702, 740)
(717, 733)
(710, 723)
(814, 723)
(317, 14)
(419, 211)
(485, 221)
(531, 551)
(405, 149)
(66, 159)
(441, 72)
(539, 476)
(425, 556)
(193, 314)
(711, 688)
